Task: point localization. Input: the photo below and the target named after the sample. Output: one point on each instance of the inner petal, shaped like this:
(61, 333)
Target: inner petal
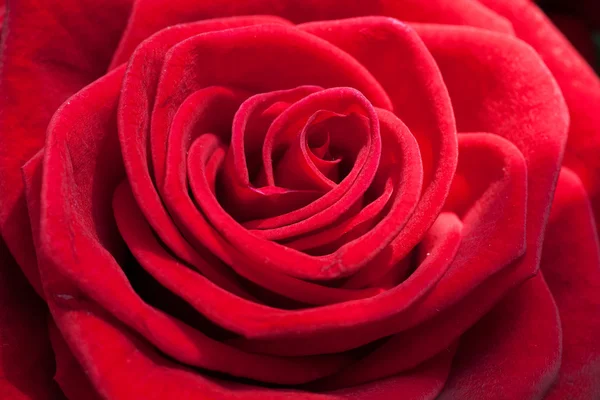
(363, 154)
(322, 156)
(336, 140)
(322, 212)
(328, 240)
(243, 189)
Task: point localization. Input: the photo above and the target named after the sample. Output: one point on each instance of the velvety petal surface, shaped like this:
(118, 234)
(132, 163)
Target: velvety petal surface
(296, 199)
(573, 277)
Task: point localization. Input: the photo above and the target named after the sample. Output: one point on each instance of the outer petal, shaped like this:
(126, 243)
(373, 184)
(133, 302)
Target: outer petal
(50, 50)
(422, 383)
(499, 84)
(43, 63)
(578, 82)
(571, 266)
(513, 352)
(69, 374)
(150, 16)
(145, 374)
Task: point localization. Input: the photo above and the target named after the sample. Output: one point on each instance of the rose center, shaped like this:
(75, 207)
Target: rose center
(322, 154)
(294, 148)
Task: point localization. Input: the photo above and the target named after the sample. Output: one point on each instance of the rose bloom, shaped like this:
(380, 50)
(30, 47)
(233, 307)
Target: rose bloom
(297, 199)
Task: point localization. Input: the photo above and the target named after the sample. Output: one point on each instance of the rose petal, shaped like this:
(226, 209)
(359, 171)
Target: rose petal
(194, 224)
(300, 166)
(357, 224)
(514, 350)
(388, 358)
(105, 350)
(72, 379)
(50, 50)
(123, 367)
(420, 99)
(137, 99)
(524, 105)
(332, 203)
(424, 382)
(212, 44)
(246, 199)
(496, 217)
(231, 312)
(120, 365)
(353, 254)
(257, 64)
(571, 266)
(579, 85)
(150, 16)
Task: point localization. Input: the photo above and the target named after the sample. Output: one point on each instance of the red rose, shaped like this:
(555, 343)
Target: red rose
(297, 199)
